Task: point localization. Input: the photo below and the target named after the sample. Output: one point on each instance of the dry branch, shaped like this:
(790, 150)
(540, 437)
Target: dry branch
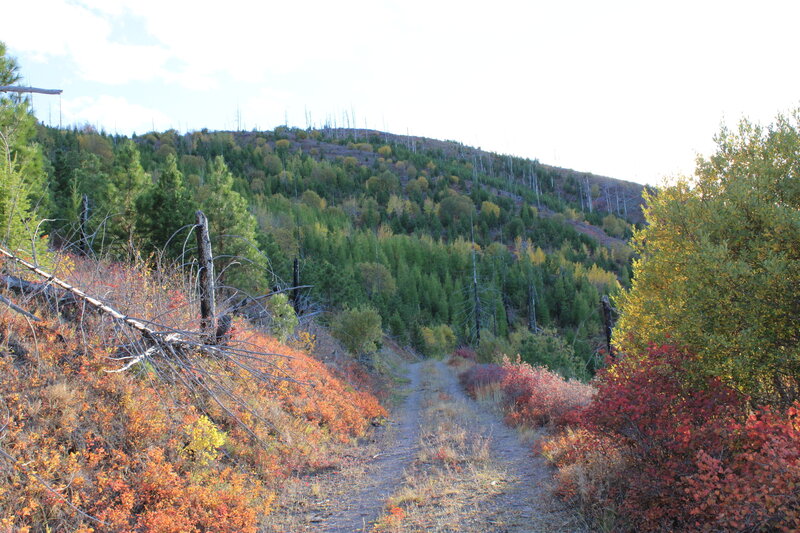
(171, 354)
(93, 302)
(18, 309)
(27, 288)
(175, 339)
(18, 89)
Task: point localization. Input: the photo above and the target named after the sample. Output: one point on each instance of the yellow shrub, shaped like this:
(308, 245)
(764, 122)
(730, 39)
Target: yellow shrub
(204, 440)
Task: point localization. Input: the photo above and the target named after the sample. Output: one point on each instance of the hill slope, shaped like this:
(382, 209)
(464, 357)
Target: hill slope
(378, 220)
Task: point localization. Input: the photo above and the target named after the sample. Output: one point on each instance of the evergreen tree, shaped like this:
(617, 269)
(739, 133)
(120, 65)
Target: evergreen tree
(233, 231)
(128, 182)
(22, 178)
(163, 209)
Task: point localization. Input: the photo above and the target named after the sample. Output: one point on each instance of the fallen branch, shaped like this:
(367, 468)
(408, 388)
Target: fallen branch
(175, 351)
(28, 288)
(18, 89)
(18, 309)
(97, 304)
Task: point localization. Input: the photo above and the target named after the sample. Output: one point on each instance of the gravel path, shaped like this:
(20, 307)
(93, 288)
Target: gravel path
(527, 504)
(362, 506)
(519, 501)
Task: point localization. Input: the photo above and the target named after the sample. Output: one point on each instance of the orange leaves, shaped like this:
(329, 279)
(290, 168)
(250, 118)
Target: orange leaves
(128, 448)
(391, 520)
(319, 397)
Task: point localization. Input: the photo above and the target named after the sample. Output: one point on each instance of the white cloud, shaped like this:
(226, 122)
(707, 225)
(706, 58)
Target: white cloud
(623, 88)
(81, 35)
(113, 113)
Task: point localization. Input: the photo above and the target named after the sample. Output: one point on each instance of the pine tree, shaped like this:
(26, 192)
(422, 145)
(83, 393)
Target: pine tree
(233, 231)
(128, 182)
(22, 178)
(164, 209)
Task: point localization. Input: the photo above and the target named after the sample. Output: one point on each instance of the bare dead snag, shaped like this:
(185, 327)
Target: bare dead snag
(607, 322)
(84, 222)
(296, 283)
(206, 278)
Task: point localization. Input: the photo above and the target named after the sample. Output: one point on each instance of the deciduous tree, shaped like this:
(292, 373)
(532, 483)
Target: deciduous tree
(719, 263)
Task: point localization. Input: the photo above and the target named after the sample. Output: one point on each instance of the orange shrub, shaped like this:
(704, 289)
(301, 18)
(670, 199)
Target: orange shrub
(123, 448)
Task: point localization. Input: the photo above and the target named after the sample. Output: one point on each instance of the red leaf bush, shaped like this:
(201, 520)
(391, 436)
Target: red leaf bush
(532, 395)
(481, 375)
(537, 396)
(661, 449)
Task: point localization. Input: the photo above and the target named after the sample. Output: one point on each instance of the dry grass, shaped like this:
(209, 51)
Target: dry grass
(453, 475)
(308, 500)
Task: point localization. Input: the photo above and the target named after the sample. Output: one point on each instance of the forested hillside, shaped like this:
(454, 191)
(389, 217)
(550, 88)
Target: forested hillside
(375, 221)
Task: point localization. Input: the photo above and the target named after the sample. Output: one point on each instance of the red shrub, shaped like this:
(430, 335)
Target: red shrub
(680, 452)
(481, 375)
(536, 396)
(466, 353)
(756, 484)
(663, 419)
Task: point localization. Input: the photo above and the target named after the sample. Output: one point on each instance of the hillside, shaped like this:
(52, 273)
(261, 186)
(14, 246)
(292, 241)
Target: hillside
(611, 195)
(374, 221)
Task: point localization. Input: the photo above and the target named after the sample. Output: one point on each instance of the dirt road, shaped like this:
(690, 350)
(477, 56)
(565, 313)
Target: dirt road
(445, 463)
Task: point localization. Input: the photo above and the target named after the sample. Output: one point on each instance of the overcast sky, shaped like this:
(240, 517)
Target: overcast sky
(631, 90)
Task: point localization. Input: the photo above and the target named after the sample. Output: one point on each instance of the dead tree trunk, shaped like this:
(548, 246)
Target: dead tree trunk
(475, 294)
(532, 308)
(295, 284)
(607, 323)
(206, 277)
(84, 222)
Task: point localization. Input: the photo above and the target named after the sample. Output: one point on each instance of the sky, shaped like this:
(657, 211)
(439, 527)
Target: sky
(631, 90)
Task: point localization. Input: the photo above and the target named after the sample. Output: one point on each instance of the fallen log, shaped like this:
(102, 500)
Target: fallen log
(175, 350)
(29, 288)
(160, 338)
(18, 309)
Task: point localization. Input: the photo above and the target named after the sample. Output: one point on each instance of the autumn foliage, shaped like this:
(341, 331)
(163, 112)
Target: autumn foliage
(84, 449)
(649, 446)
(659, 450)
(532, 395)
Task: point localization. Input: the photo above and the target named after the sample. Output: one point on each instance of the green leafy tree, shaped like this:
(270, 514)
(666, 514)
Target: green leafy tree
(358, 329)
(128, 182)
(548, 348)
(378, 281)
(719, 263)
(491, 348)
(22, 178)
(456, 210)
(284, 319)
(383, 186)
(438, 341)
